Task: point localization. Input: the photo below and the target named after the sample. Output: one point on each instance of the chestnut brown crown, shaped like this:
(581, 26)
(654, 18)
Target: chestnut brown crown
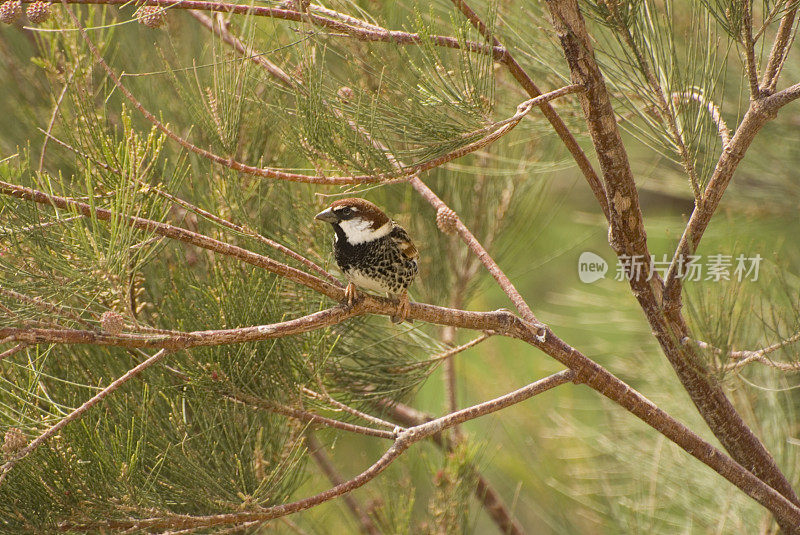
(352, 208)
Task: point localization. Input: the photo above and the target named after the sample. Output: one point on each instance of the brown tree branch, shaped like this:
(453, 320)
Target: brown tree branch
(628, 238)
(552, 116)
(599, 379)
(491, 500)
(402, 443)
(339, 406)
(14, 350)
(305, 416)
(506, 126)
(80, 411)
(784, 97)
(758, 114)
(780, 49)
(749, 49)
(176, 233)
(474, 245)
(345, 24)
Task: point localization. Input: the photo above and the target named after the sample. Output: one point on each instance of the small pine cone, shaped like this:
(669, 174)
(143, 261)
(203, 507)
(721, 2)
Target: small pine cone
(151, 16)
(10, 11)
(13, 441)
(345, 94)
(38, 12)
(446, 220)
(112, 322)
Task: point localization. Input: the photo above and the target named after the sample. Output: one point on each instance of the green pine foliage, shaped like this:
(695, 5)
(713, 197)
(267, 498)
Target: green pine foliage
(195, 434)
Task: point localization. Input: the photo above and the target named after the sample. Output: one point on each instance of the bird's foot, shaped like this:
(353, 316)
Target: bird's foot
(351, 294)
(403, 309)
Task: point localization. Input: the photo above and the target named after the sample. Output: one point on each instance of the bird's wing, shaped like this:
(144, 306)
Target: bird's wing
(403, 241)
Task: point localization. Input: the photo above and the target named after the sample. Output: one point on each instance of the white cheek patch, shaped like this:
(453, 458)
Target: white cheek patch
(359, 230)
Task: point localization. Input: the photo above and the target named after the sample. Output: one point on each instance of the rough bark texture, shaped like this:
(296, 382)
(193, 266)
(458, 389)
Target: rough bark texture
(628, 237)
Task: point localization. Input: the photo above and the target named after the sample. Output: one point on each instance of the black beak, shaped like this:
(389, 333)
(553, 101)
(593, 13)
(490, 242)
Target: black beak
(328, 216)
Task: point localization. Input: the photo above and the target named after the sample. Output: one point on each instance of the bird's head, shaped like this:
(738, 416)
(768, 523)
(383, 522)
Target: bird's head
(357, 220)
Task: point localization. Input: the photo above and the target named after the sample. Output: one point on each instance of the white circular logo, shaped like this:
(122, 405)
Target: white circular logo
(591, 267)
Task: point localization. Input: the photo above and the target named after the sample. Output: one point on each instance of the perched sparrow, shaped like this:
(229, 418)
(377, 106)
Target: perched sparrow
(373, 252)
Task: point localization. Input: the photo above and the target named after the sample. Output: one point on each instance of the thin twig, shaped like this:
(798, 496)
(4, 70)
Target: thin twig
(446, 355)
(402, 443)
(757, 357)
(744, 357)
(310, 417)
(80, 411)
(749, 49)
(47, 306)
(491, 500)
(14, 350)
(177, 233)
(664, 110)
(47, 224)
(327, 398)
(713, 111)
(53, 117)
(780, 49)
(552, 116)
(221, 29)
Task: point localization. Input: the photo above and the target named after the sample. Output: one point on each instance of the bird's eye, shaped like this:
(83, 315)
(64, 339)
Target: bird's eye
(345, 212)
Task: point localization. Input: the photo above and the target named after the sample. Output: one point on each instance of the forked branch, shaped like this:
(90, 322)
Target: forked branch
(403, 442)
(527, 83)
(628, 237)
